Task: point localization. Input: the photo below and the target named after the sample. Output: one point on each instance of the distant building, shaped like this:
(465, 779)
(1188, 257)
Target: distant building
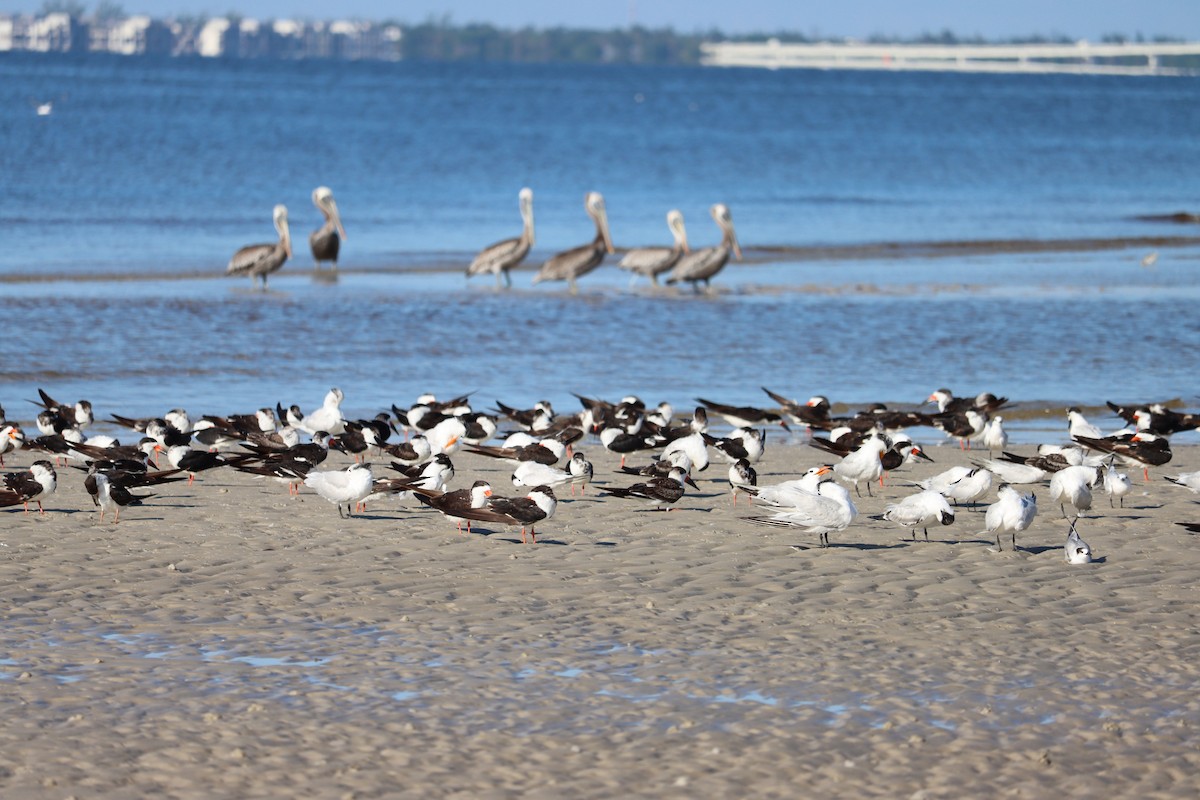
(138, 35)
(56, 33)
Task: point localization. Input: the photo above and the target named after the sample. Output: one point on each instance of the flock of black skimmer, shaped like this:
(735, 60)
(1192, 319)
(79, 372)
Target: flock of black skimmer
(417, 442)
(678, 261)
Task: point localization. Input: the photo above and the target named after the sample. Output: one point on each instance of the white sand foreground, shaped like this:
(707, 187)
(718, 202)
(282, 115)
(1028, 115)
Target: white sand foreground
(227, 641)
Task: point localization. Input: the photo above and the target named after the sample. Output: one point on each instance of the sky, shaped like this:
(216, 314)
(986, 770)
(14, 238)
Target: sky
(1082, 19)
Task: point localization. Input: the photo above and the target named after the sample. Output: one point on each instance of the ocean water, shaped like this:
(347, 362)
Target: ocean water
(121, 209)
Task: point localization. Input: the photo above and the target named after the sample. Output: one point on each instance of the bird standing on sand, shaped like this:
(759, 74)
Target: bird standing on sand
(1012, 511)
(661, 492)
(1073, 486)
(504, 255)
(260, 260)
(920, 509)
(326, 241)
(826, 510)
(702, 265)
(653, 261)
(572, 264)
(342, 487)
(30, 485)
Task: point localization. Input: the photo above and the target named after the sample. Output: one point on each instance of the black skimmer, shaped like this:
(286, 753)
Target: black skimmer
(537, 506)
(946, 402)
(1012, 512)
(919, 510)
(534, 419)
(110, 487)
(581, 472)
(573, 264)
(30, 485)
(547, 451)
(191, 461)
(77, 416)
(618, 440)
(653, 261)
(744, 416)
(260, 260)
(814, 413)
(1143, 448)
(661, 492)
(1156, 418)
(741, 476)
(743, 444)
(507, 254)
(326, 241)
(454, 504)
(703, 264)
(342, 487)
(415, 451)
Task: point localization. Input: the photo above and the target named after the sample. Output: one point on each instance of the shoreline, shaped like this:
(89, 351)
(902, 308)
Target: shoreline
(223, 640)
(450, 262)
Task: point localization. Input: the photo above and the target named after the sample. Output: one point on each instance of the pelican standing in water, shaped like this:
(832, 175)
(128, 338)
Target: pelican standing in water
(260, 260)
(579, 261)
(502, 256)
(326, 240)
(651, 261)
(701, 265)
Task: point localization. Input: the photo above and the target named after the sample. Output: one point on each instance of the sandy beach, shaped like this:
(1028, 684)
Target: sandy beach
(227, 641)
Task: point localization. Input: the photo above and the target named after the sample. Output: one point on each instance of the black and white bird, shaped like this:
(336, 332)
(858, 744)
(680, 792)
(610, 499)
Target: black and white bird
(29, 486)
(741, 477)
(1076, 550)
(660, 492)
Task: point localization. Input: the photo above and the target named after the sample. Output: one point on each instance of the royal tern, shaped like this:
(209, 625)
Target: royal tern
(827, 510)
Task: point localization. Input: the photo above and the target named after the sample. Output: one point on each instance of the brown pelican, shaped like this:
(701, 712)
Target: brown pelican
(260, 260)
(650, 261)
(502, 256)
(701, 265)
(579, 261)
(326, 240)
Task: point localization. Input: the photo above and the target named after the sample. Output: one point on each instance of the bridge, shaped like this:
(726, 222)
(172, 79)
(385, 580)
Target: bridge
(1081, 57)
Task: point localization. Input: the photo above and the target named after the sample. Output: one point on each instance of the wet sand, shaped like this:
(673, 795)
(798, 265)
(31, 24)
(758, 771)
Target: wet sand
(226, 641)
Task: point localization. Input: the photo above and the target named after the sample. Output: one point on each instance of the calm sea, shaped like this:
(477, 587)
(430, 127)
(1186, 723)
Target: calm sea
(148, 174)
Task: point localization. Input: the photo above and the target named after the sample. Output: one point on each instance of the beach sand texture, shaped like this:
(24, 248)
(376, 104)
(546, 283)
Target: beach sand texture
(227, 641)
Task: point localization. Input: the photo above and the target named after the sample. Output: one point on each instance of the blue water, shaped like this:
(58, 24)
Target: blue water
(150, 173)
